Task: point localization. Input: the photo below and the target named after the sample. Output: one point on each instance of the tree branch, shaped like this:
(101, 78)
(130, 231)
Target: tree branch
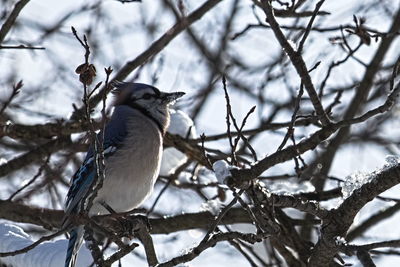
(6, 27)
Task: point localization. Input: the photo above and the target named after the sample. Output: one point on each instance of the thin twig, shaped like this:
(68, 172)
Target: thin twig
(22, 47)
(31, 181)
(93, 245)
(310, 23)
(228, 122)
(290, 130)
(162, 191)
(297, 62)
(152, 50)
(147, 241)
(14, 93)
(7, 25)
(240, 135)
(250, 238)
(311, 142)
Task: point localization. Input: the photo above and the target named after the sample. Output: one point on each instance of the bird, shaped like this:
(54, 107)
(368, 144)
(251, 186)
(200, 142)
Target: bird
(132, 148)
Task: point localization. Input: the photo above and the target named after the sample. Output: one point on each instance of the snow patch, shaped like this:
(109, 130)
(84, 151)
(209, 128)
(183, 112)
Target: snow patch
(289, 188)
(46, 254)
(213, 206)
(222, 170)
(181, 124)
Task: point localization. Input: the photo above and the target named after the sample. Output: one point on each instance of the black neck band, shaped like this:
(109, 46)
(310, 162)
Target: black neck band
(148, 115)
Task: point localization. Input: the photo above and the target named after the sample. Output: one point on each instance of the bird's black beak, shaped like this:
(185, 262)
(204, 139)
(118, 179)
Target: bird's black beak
(171, 97)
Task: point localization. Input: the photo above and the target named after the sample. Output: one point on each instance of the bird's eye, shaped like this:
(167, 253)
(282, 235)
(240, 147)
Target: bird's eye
(146, 96)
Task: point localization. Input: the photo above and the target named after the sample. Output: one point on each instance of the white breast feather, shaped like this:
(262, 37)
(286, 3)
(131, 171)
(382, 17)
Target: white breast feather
(132, 171)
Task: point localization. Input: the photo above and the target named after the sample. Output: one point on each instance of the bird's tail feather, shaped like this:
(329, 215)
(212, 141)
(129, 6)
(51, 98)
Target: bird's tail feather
(75, 242)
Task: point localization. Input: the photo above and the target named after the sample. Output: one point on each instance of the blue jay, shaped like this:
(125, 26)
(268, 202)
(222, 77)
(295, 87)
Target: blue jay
(132, 150)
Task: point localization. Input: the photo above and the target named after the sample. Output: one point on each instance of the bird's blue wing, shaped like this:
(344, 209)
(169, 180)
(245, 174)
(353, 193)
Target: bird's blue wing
(114, 135)
(82, 182)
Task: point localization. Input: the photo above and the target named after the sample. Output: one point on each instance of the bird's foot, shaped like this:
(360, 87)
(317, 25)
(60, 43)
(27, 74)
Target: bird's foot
(131, 224)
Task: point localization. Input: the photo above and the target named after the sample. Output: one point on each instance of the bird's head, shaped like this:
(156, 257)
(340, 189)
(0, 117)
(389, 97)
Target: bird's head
(146, 98)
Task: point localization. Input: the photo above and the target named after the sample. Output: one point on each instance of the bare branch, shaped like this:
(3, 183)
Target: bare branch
(7, 25)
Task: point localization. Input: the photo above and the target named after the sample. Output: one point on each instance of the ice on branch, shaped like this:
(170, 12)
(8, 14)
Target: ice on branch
(3, 161)
(289, 188)
(181, 124)
(391, 161)
(353, 182)
(358, 179)
(340, 241)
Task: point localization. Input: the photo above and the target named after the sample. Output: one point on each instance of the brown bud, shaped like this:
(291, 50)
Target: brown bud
(86, 73)
(81, 68)
(86, 78)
